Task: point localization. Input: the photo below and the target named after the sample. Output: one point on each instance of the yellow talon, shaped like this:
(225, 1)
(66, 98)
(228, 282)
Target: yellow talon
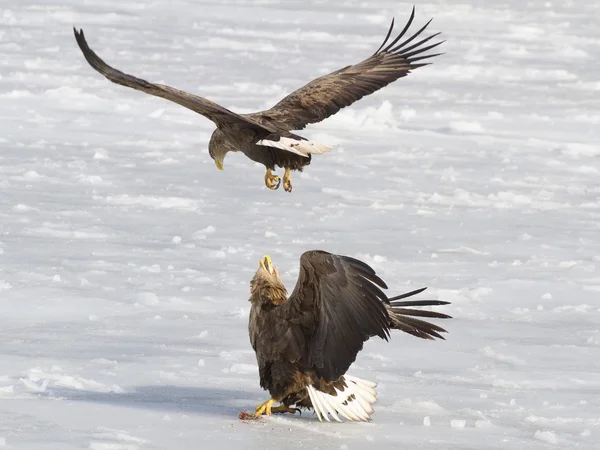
(272, 181)
(287, 180)
(265, 408)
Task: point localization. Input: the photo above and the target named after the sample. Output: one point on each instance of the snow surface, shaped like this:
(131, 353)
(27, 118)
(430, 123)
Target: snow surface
(125, 256)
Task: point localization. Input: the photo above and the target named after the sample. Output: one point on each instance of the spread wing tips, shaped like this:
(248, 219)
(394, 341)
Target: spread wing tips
(114, 75)
(90, 56)
(410, 39)
(403, 32)
(387, 36)
(408, 294)
(401, 48)
(83, 45)
(402, 315)
(404, 320)
(407, 51)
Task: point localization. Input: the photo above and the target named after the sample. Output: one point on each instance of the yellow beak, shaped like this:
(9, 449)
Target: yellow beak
(266, 264)
(219, 164)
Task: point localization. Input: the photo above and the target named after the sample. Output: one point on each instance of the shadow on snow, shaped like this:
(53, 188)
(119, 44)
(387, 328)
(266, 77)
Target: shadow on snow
(185, 400)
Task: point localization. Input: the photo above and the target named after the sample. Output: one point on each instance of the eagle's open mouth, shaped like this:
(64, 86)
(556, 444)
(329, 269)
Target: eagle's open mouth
(267, 264)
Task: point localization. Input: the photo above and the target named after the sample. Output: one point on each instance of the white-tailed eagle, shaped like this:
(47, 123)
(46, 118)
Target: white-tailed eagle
(306, 342)
(266, 136)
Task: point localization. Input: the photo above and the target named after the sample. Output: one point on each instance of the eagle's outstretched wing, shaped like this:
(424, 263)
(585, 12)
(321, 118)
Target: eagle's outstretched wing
(326, 95)
(222, 117)
(338, 304)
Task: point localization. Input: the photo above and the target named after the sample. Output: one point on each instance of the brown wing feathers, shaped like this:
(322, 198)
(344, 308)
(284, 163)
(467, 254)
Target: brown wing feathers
(344, 297)
(221, 116)
(312, 103)
(346, 306)
(406, 54)
(328, 94)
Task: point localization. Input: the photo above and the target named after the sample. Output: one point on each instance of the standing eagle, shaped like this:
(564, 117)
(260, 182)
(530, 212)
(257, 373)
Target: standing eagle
(306, 342)
(266, 136)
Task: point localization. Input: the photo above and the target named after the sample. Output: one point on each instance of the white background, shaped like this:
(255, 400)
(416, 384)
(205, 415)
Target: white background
(125, 256)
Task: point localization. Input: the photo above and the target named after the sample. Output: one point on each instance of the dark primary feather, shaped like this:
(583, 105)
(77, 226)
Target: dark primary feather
(401, 319)
(407, 294)
(395, 301)
(328, 94)
(221, 116)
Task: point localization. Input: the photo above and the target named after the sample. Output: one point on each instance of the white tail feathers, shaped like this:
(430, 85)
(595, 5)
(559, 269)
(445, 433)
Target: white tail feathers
(354, 403)
(297, 146)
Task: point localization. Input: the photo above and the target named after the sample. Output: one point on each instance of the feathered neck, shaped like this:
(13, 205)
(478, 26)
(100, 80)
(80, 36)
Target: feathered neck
(267, 291)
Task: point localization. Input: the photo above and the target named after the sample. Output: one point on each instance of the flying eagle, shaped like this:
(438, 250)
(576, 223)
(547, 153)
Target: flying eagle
(306, 342)
(266, 136)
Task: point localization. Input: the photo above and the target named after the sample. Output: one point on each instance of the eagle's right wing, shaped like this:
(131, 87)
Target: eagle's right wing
(338, 304)
(326, 95)
(221, 116)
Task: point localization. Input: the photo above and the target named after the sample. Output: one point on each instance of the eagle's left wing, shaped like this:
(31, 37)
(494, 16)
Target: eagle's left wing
(326, 95)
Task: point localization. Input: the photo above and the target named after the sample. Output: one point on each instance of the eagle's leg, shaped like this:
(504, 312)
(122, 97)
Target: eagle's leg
(285, 409)
(287, 180)
(272, 181)
(265, 408)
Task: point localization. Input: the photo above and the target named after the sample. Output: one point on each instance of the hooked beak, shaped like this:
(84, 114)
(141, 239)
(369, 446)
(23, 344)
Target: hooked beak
(219, 164)
(266, 264)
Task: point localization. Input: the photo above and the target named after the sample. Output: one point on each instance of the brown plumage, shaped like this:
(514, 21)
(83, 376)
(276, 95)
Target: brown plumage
(306, 342)
(266, 136)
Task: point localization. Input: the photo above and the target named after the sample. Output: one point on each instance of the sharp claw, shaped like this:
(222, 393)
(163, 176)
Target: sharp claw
(272, 181)
(287, 180)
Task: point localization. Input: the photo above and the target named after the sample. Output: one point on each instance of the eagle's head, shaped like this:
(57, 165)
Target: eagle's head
(218, 147)
(266, 284)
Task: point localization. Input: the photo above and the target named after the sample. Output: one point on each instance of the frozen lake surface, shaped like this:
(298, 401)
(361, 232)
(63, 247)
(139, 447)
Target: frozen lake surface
(125, 256)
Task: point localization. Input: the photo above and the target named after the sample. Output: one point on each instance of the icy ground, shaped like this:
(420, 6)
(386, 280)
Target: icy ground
(125, 256)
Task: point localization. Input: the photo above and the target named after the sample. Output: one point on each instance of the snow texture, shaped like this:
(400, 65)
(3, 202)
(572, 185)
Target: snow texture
(125, 256)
